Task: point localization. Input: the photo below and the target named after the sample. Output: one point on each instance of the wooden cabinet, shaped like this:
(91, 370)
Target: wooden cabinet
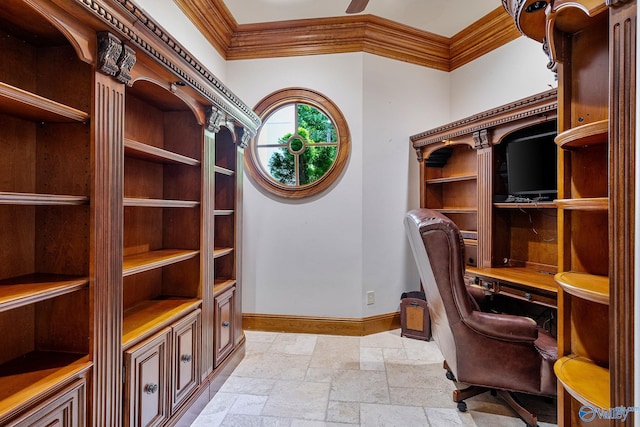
(185, 358)
(592, 47)
(119, 205)
(510, 248)
(65, 409)
(146, 393)
(224, 340)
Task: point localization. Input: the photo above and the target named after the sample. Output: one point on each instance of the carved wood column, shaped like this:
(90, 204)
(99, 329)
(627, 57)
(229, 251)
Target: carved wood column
(485, 197)
(107, 227)
(622, 126)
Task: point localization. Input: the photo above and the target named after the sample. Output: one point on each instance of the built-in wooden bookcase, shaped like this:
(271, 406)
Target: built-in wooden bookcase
(120, 217)
(162, 215)
(583, 211)
(592, 46)
(45, 193)
(510, 248)
(451, 188)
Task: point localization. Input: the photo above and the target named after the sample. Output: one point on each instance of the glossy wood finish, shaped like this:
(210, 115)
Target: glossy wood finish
(501, 250)
(321, 325)
(358, 33)
(592, 44)
(102, 206)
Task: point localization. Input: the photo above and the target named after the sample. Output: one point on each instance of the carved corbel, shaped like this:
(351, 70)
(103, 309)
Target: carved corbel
(419, 155)
(481, 139)
(109, 50)
(115, 58)
(125, 63)
(245, 137)
(214, 119)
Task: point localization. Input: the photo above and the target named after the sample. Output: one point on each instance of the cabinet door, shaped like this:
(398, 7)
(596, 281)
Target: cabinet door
(146, 388)
(65, 409)
(185, 358)
(224, 304)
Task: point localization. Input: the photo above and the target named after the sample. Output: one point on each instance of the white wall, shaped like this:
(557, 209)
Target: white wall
(349, 240)
(511, 72)
(400, 100)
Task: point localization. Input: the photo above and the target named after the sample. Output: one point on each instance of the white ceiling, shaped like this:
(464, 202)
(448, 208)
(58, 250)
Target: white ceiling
(443, 17)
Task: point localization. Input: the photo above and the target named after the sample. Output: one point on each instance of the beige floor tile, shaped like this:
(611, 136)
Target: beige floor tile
(360, 386)
(382, 380)
(376, 415)
(298, 399)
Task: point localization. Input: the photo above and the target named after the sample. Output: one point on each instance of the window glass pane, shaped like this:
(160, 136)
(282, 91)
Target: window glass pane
(319, 126)
(279, 123)
(315, 162)
(279, 164)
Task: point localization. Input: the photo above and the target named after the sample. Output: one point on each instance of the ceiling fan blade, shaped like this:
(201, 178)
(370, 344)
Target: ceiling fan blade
(357, 6)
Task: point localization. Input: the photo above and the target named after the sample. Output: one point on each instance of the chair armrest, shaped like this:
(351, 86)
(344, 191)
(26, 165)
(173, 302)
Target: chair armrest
(504, 327)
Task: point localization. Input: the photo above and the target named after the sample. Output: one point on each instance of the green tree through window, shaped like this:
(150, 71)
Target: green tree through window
(302, 146)
(309, 153)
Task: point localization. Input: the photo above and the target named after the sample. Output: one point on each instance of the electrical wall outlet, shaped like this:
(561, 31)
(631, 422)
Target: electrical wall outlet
(371, 298)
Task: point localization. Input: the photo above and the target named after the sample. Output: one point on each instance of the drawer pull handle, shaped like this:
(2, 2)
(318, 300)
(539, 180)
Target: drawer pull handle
(186, 358)
(151, 388)
(225, 324)
(527, 296)
(53, 423)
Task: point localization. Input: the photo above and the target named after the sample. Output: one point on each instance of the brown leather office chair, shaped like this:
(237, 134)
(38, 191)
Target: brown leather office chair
(485, 351)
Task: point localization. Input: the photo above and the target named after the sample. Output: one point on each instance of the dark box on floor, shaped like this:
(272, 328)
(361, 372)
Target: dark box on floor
(414, 316)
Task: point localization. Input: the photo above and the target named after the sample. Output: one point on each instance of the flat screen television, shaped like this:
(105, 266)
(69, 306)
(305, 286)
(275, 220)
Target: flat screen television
(532, 166)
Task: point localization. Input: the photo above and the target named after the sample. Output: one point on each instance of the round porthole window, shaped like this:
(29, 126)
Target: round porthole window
(302, 145)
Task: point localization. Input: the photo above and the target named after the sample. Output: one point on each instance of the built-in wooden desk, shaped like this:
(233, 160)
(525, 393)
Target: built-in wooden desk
(536, 286)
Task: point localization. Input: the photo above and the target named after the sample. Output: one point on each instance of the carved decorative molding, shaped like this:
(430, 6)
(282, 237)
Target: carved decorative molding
(481, 139)
(214, 119)
(535, 105)
(115, 58)
(222, 98)
(356, 33)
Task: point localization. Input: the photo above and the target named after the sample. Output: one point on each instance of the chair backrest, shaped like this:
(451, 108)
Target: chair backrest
(438, 250)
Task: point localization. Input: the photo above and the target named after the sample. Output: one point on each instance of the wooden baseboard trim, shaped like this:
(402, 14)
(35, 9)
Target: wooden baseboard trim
(321, 325)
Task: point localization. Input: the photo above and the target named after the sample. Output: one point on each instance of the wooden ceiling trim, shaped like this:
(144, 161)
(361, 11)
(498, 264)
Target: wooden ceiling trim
(213, 19)
(495, 29)
(362, 33)
(356, 33)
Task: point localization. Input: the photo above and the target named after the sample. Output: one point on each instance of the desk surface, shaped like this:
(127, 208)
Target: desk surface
(534, 279)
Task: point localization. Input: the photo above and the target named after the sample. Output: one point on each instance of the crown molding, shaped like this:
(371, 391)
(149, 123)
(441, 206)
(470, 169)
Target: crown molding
(354, 33)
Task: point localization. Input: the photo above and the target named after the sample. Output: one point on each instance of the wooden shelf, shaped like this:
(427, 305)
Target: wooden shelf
(219, 252)
(159, 203)
(222, 212)
(149, 152)
(146, 261)
(519, 275)
(584, 380)
(21, 103)
(453, 210)
(19, 291)
(586, 286)
(224, 171)
(452, 179)
(35, 374)
(221, 285)
(35, 199)
(147, 317)
(583, 136)
(585, 204)
(528, 205)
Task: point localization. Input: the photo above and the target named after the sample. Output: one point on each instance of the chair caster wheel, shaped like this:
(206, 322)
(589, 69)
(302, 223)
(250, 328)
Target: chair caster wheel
(450, 376)
(462, 406)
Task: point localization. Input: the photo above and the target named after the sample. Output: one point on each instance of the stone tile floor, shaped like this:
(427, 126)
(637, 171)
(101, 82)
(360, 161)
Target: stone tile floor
(303, 380)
